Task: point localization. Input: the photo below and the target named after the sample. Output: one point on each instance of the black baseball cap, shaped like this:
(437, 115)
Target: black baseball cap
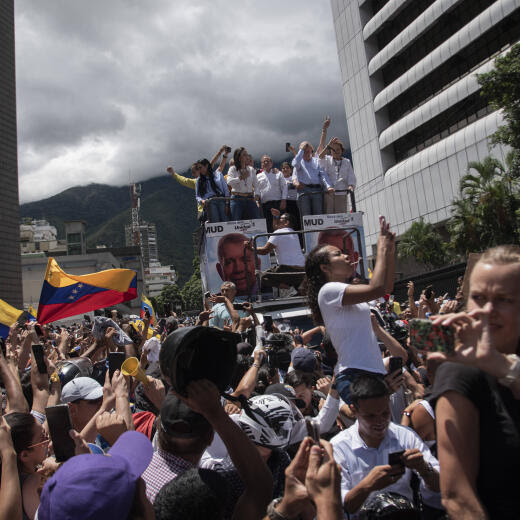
(179, 420)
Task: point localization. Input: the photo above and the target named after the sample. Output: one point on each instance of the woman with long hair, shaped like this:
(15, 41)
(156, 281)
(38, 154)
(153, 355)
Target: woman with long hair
(245, 192)
(212, 185)
(343, 308)
(476, 394)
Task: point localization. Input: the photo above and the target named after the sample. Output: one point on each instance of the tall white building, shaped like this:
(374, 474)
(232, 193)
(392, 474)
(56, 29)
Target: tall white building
(414, 112)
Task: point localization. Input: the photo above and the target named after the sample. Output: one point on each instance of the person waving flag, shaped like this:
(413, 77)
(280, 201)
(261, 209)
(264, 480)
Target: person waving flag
(65, 295)
(146, 305)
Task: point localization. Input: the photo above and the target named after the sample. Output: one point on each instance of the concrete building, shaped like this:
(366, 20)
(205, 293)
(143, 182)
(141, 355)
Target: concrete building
(10, 266)
(157, 276)
(415, 117)
(39, 236)
(148, 238)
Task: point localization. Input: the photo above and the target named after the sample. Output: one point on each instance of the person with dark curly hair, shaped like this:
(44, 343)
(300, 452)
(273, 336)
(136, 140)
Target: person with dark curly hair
(343, 308)
(211, 184)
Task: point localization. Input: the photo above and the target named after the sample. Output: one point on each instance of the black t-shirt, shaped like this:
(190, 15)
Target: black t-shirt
(499, 411)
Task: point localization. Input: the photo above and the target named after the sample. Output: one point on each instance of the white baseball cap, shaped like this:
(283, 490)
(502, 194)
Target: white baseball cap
(81, 388)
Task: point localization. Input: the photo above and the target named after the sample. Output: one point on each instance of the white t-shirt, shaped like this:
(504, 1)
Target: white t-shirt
(350, 330)
(288, 250)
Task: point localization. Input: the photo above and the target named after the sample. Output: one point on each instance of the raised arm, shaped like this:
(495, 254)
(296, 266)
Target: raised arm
(394, 347)
(323, 136)
(183, 181)
(10, 493)
(217, 155)
(377, 285)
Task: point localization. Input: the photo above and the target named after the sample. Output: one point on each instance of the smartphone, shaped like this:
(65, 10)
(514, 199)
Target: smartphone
(395, 363)
(238, 306)
(58, 419)
(268, 323)
(207, 294)
(313, 430)
(115, 360)
(427, 337)
(38, 356)
(38, 330)
(227, 149)
(287, 147)
(394, 459)
(428, 292)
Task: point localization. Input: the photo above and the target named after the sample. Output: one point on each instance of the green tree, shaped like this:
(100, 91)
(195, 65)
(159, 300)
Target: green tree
(423, 242)
(170, 296)
(501, 87)
(486, 214)
(192, 290)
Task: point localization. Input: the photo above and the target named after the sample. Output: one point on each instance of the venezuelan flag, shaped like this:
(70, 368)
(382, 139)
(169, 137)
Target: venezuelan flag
(146, 304)
(65, 295)
(8, 315)
(32, 313)
(138, 325)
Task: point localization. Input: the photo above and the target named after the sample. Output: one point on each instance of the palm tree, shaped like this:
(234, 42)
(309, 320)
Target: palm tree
(486, 214)
(423, 243)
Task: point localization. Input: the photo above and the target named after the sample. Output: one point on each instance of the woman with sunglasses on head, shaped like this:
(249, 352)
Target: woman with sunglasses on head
(343, 307)
(245, 191)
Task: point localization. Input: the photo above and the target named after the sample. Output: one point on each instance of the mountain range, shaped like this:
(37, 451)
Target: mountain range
(106, 211)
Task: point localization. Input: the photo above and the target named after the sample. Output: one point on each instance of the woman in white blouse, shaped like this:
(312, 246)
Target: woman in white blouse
(245, 191)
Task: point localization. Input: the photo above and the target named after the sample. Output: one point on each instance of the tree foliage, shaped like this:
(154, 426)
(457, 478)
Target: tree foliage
(423, 242)
(487, 212)
(170, 297)
(192, 290)
(501, 87)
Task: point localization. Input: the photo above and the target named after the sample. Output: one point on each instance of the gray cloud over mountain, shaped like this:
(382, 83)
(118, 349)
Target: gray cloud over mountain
(109, 91)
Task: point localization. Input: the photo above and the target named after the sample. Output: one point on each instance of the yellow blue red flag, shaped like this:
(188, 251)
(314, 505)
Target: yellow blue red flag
(146, 305)
(8, 315)
(65, 295)
(32, 313)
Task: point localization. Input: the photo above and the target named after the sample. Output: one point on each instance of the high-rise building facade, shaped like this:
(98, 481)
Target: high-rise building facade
(148, 241)
(10, 263)
(414, 111)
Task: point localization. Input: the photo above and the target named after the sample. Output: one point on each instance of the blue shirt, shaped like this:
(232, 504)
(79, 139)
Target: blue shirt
(309, 172)
(220, 183)
(221, 314)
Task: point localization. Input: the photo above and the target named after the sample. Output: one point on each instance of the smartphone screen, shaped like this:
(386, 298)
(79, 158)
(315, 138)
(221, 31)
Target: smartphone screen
(427, 337)
(394, 459)
(115, 360)
(238, 306)
(268, 323)
(38, 356)
(287, 147)
(395, 363)
(313, 430)
(58, 419)
(38, 330)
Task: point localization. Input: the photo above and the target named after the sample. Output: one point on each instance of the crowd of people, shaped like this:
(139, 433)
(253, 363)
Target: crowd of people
(233, 415)
(315, 182)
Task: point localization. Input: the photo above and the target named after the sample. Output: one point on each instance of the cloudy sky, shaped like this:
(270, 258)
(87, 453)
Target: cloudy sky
(109, 90)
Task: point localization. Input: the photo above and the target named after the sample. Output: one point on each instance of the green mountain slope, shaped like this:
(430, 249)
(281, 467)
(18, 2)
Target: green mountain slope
(106, 210)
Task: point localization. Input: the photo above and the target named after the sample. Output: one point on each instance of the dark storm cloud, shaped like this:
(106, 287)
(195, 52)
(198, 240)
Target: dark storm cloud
(111, 88)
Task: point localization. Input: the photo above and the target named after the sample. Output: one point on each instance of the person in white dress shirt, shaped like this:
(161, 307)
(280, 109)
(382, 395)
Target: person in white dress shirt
(362, 451)
(245, 191)
(273, 190)
(341, 175)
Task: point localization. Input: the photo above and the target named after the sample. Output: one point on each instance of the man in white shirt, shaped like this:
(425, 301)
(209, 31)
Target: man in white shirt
(286, 246)
(273, 190)
(363, 450)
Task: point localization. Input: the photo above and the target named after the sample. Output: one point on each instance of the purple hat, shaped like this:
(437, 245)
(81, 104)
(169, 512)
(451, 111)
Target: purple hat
(89, 487)
(303, 359)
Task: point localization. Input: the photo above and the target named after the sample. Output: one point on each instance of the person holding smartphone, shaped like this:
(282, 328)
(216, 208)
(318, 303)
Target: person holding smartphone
(223, 312)
(273, 190)
(343, 308)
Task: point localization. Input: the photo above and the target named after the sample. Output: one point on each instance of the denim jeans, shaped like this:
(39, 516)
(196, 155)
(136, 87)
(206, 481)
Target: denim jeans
(243, 208)
(216, 210)
(345, 378)
(310, 201)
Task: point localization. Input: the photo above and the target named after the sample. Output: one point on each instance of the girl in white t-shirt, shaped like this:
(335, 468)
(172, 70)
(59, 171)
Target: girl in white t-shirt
(343, 308)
